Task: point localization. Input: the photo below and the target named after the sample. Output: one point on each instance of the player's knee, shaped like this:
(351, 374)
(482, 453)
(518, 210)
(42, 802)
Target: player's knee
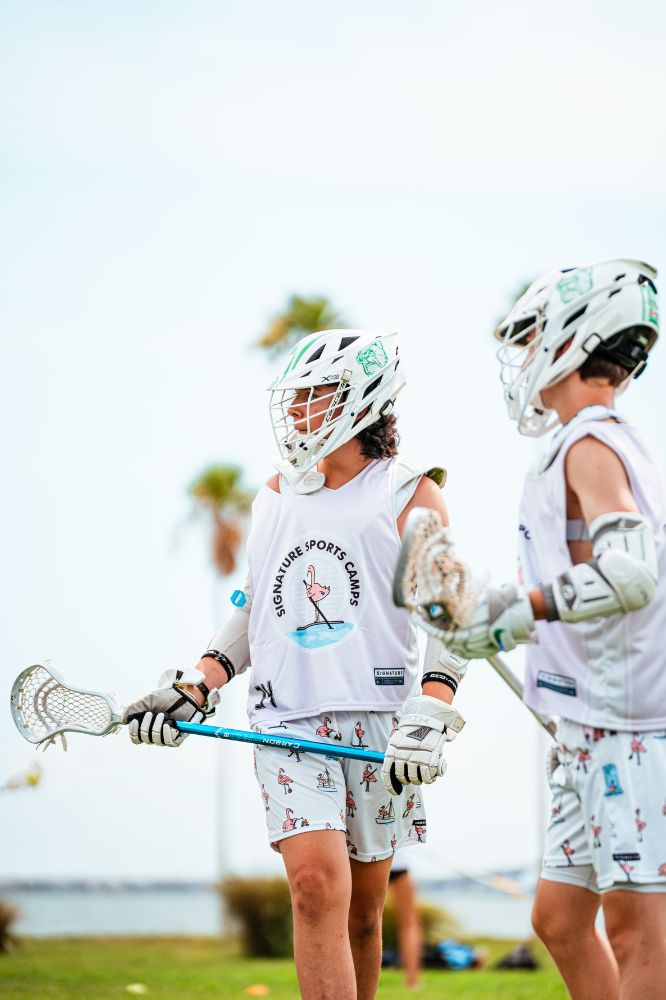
(624, 935)
(365, 919)
(550, 924)
(311, 894)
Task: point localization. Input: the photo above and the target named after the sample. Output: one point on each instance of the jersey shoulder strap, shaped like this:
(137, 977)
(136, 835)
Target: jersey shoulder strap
(407, 474)
(589, 414)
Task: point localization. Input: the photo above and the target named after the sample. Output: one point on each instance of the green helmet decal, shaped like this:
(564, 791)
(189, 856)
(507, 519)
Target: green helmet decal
(574, 285)
(650, 305)
(372, 358)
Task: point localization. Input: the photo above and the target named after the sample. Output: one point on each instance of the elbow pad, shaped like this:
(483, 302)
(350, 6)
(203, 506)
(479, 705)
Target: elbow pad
(621, 577)
(232, 639)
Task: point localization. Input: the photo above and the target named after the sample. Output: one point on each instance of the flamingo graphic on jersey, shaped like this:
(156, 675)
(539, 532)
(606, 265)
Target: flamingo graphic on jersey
(368, 776)
(360, 733)
(640, 826)
(325, 730)
(583, 757)
(290, 823)
(351, 805)
(284, 780)
(626, 868)
(596, 832)
(316, 592)
(265, 796)
(661, 870)
(637, 748)
(419, 829)
(409, 805)
(568, 851)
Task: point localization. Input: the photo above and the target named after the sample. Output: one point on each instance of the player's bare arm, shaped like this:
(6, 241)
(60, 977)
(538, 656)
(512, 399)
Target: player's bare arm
(427, 494)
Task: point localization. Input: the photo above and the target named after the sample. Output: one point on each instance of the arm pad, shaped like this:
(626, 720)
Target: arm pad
(622, 576)
(232, 639)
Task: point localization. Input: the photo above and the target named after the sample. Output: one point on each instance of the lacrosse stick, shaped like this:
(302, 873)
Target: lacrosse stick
(431, 582)
(44, 706)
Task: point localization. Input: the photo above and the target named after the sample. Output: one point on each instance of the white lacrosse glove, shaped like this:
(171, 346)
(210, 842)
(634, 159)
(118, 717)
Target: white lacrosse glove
(414, 754)
(501, 619)
(151, 719)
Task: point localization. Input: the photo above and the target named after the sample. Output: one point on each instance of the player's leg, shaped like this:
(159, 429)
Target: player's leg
(636, 928)
(369, 882)
(408, 925)
(317, 866)
(564, 918)
(567, 899)
(307, 827)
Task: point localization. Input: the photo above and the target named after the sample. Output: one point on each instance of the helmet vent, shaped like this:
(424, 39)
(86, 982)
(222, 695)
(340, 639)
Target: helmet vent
(345, 342)
(575, 316)
(616, 291)
(619, 277)
(315, 356)
(644, 280)
(371, 388)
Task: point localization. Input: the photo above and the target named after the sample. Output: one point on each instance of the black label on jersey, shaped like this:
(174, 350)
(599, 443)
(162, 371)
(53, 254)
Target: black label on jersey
(389, 675)
(557, 682)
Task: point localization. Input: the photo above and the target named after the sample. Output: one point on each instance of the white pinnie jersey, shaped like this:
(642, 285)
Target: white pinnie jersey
(607, 673)
(324, 633)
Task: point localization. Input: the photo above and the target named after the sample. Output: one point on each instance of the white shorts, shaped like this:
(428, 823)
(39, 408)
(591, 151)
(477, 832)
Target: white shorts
(306, 791)
(608, 812)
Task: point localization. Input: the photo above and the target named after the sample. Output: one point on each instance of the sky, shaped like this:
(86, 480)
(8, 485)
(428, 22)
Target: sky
(169, 174)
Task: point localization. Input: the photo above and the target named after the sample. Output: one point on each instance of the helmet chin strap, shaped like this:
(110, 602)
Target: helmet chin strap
(301, 483)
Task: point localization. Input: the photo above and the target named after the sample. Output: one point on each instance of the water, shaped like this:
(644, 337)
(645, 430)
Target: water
(196, 911)
(317, 636)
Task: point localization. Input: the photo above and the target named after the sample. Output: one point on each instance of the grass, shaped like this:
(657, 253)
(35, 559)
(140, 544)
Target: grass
(202, 968)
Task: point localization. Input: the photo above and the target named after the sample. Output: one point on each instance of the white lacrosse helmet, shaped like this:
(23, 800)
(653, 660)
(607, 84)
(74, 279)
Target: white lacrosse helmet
(608, 308)
(362, 369)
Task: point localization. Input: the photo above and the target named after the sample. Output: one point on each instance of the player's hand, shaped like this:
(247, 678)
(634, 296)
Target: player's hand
(151, 719)
(414, 754)
(501, 619)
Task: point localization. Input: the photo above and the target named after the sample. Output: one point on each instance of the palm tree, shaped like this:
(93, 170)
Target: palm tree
(300, 316)
(218, 490)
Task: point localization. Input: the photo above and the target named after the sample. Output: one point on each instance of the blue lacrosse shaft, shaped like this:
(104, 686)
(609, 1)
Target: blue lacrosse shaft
(287, 742)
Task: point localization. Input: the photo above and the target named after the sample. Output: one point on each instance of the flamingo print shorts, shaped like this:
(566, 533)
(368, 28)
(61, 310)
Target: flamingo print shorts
(302, 791)
(608, 812)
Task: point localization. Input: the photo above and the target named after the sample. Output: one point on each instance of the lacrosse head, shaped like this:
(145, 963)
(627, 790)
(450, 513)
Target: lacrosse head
(429, 580)
(44, 706)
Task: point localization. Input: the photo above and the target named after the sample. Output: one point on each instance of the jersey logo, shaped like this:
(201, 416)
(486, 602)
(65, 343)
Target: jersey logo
(557, 682)
(266, 692)
(314, 589)
(389, 675)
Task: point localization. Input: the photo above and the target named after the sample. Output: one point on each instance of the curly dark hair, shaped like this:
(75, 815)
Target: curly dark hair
(381, 439)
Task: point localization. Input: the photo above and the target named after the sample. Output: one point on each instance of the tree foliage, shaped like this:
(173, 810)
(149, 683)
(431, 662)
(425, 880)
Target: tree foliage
(300, 316)
(219, 491)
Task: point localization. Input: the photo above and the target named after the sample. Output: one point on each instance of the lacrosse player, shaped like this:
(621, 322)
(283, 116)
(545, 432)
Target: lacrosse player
(332, 657)
(593, 600)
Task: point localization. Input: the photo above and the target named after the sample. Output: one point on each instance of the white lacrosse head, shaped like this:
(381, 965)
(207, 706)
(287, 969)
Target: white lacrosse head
(362, 370)
(609, 308)
(43, 706)
(429, 580)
